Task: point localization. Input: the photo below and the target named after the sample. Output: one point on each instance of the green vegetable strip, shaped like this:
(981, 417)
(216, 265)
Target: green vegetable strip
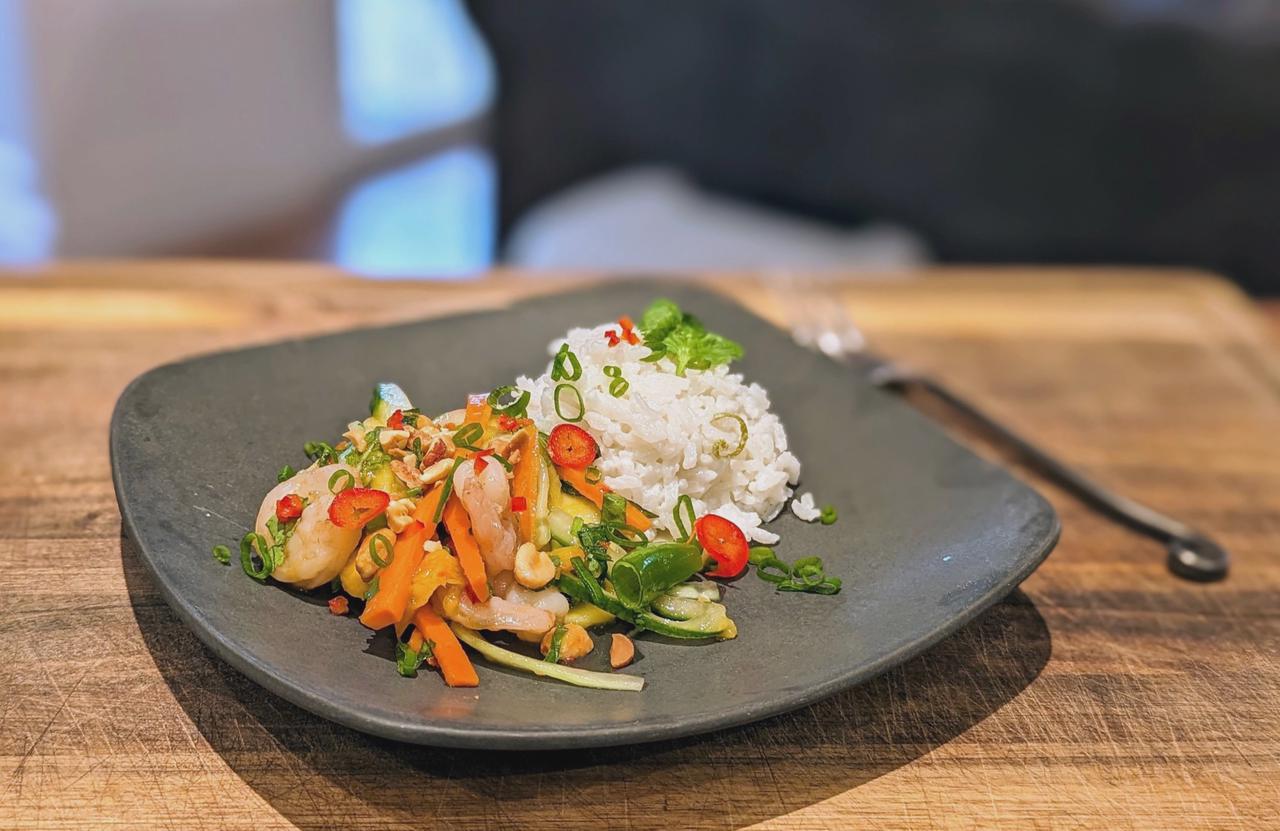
(582, 408)
(721, 447)
(585, 588)
(518, 408)
(570, 675)
(253, 543)
(684, 506)
(448, 490)
(467, 435)
(647, 572)
(557, 641)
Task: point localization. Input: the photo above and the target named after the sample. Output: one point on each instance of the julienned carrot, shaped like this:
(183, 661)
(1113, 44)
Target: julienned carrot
(464, 545)
(425, 510)
(455, 666)
(396, 580)
(595, 493)
(524, 481)
(478, 413)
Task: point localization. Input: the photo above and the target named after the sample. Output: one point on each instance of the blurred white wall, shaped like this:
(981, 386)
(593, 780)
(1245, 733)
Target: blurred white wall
(158, 123)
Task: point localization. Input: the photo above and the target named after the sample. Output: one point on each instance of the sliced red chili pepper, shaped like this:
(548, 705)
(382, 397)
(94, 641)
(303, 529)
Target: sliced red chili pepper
(508, 423)
(338, 605)
(518, 504)
(726, 544)
(480, 463)
(356, 506)
(626, 323)
(612, 337)
(396, 422)
(632, 338)
(571, 446)
(289, 507)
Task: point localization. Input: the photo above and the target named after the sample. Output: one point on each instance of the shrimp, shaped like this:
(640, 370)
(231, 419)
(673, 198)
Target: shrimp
(498, 614)
(317, 550)
(487, 498)
(548, 599)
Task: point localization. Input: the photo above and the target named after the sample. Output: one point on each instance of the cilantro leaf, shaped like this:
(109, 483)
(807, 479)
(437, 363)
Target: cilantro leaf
(659, 320)
(408, 660)
(682, 338)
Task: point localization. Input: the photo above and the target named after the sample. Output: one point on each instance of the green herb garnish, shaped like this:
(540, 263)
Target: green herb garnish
(828, 516)
(372, 588)
(222, 554)
(340, 481)
(519, 406)
(409, 660)
(448, 489)
(720, 449)
(565, 366)
(557, 640)
(619, 385)
(467, 435)
(805, 575)
(286, 473)
(582, 408)
(671, 333)
(320, 451)
(381, 540)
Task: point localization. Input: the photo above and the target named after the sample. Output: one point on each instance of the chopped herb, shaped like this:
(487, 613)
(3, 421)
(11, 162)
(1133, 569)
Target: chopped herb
(467, 436)
(582, 408)
(828, 516)
(286, 473)
(805, 575)
(373, 457)
(320, 451)
(557, 640)
(409, 660)
(565, 366)
(683, 338)
(372, 588)
(518, 408)
(222, 554)
(413, 493)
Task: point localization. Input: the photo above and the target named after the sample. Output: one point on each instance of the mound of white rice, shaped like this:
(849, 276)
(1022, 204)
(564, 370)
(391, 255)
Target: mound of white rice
(656, 440)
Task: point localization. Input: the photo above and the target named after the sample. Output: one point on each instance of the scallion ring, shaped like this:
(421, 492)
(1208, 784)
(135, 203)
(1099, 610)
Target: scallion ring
(559, 372)
(374, 541)
(582, 408)
(618, 387)
(684, 507)
(613, 371)
(337, 484)
(518, 408)
(222, 554)
(592, 475)
(467, 435)
(721, 447)
(255, 544)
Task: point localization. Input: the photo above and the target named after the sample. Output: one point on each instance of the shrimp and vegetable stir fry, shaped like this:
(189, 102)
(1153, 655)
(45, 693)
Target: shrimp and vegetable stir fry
(476, 521)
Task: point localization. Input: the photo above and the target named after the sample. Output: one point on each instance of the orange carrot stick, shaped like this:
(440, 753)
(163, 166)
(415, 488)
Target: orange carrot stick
(455, 666)
(524, 482)
(395, 581)
(425, 510)
(596, 493)
(464, 545)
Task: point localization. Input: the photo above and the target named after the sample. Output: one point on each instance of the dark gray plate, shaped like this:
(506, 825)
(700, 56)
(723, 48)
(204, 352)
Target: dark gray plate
(929, 534)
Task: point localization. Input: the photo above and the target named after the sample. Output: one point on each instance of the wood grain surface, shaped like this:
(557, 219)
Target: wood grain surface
(1103, 694)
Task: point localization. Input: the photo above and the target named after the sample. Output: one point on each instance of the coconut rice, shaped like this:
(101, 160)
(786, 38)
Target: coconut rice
(657, 439)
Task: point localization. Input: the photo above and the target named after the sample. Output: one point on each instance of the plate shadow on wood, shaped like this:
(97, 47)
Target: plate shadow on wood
(312, 770)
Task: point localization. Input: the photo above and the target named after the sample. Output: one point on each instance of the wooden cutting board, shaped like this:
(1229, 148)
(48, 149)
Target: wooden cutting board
(1104, 694)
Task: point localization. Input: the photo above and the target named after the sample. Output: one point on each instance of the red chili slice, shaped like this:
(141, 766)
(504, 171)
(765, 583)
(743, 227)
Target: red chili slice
(612, 337)
(289, 507)
(338, 605)
(356, 506)
(626, 323)
(508, 424)
(480, 463)
(726, 544)
(396, 421)
(571, 446)
(518, 504)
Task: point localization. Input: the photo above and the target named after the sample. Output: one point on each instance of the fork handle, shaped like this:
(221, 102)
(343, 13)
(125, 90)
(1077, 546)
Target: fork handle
(1191, 554)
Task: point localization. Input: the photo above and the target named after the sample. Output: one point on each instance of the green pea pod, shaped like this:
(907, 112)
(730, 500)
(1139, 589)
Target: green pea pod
(650, 570)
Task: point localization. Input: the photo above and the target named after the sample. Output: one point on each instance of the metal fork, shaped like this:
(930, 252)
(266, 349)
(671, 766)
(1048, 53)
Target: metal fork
(819, 321)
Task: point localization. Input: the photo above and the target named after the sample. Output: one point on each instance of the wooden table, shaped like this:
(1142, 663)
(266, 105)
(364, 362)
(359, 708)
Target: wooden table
(1104, 694)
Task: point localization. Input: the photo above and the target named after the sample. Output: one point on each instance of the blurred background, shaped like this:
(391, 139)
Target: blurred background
(439, 137)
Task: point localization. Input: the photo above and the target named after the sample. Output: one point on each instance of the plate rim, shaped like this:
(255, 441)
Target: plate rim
(480, 737)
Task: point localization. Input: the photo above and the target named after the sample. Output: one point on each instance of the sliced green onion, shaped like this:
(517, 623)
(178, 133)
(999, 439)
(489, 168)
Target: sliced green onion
(582, 408)
(319, 451)
(255, 544)
(626, 536)
(518, 408)
(613, 510)
(558, 364)
(337, 483)
(467, 435)
(448, 490)
(592, 475)
(684, 507)
(654, 356)
(557, 640)
(613, 371)
(222, 554)
(374, 542)
(413, 493)
(618, 387)
(806, 575)
(570, 675)
(828, 516)
(372, 589)
(721, 447)
(502, 461)
(286, 473)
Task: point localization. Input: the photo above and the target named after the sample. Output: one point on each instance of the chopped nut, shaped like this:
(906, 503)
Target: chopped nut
(575, 643)
(398, 514)
(406, 470)
(534, 568)
(433, 451)
(393, 438)
(436, 472)
(355, 432)
(621, 651)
